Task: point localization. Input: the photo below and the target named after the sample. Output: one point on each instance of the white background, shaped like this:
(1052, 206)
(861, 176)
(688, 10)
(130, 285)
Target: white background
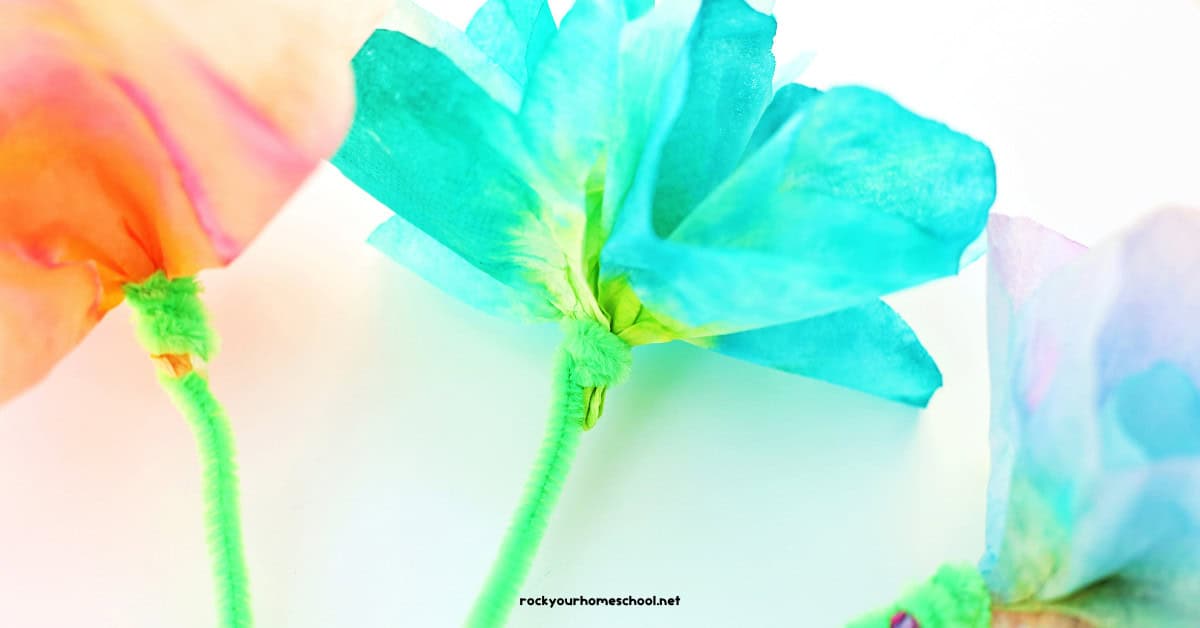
(385, 429)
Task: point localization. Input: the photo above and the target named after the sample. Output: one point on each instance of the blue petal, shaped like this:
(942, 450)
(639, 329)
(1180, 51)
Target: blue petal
(449, 272)
(860, 150)
(514, 33)
(852, 198)
(868, 348)
(567, 110)
(788, 101)
(729, 86)
(419, 24)
(650, 91)
(637, 8)
(436, 149)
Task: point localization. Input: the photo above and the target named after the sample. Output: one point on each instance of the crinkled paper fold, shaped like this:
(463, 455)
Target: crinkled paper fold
(147, 135)
(635, 165)
(1094, 503)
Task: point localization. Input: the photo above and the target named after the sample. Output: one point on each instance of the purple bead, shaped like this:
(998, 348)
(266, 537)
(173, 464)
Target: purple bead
(904, 620)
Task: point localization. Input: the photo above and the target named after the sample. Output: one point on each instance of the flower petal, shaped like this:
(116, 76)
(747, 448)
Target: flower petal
(412, 20)
(84, 178)
(853, 198)
(434, 147)
(174, 124)
(567, 110)
(1095, 490)
(868, 348)
(790, 100)
(242, 129)
(637, 8)
(449, 272)
(44, 312)
(148, 135)
(651, 82)
(308, 99)
(514, 33)
(1023, 254)
(731, 68)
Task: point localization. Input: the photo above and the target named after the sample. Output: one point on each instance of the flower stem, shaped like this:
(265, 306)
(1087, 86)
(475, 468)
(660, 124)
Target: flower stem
(590, 359)
(173, 327)
(542, 490)
(214, 437)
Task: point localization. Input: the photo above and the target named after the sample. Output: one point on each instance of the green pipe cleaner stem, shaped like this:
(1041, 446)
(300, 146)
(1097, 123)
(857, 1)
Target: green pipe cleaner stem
(542, 490)
(955, 597)
(591, 359)
(172, 325)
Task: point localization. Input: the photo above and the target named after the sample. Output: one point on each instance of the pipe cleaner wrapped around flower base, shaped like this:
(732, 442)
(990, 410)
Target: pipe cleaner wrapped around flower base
(634, 175)
(142, 141)
(1094, 502)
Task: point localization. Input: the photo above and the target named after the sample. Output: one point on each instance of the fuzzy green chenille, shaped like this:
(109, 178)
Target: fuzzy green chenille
(955, 597)
(172, 325)
(590, 359)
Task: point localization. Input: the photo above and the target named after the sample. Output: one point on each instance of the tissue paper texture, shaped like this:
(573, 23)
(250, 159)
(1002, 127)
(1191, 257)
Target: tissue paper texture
(635, 166)
(1094, 503)
(147, 135)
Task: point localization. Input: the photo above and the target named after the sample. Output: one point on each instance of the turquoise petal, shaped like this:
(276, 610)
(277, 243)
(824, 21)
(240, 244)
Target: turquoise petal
(435, 148)
(449, 272)
(860, 150)
(567, 109)
(428, 29)
(637, 8)
(729, 86)
(514, 33)
(868, 348)
(652, 79)
(852, 198)
(788, 101)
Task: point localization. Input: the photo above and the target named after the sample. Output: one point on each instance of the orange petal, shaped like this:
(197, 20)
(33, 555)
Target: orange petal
(145, 135)
(83, 177)
(46, 312)
(226, 106)
(246, 95)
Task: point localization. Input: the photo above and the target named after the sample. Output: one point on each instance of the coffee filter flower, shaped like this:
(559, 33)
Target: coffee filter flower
(145, 141)
(1094, 501)
(633, 174)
